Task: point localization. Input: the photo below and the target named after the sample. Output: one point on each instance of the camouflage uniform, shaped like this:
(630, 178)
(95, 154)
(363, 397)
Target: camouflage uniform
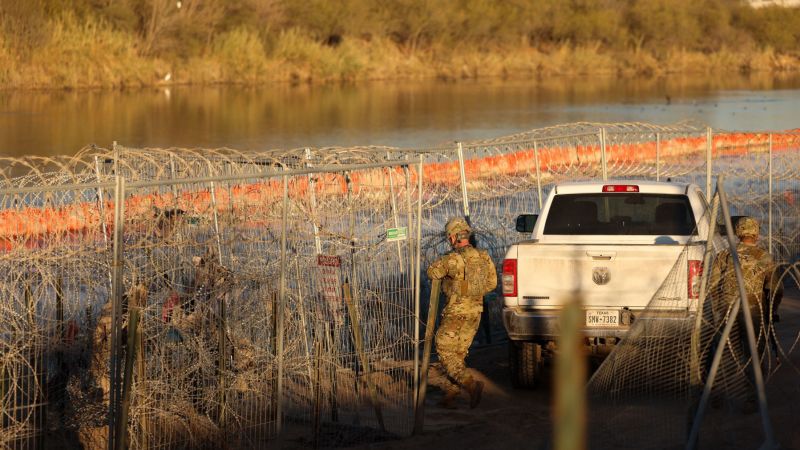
(758, 271)
(462, 312)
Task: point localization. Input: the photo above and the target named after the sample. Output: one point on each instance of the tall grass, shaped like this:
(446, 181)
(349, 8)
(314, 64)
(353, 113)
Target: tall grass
(86, 43)
(78, 53)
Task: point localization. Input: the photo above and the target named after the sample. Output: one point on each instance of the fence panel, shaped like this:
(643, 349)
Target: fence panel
(246, 331)
(659, 153)
(350, 305)
(55, 285)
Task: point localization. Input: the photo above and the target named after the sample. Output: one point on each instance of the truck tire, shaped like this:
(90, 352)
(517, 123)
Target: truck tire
(525, 361)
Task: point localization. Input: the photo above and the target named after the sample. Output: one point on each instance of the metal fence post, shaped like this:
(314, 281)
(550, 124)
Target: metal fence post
(221, 319)
(709, 145)
(658, 156)
(603, 162)
(173, 175)
(282, 303)
(116, 308)
(409, 213)
(115, 155)
(538, 174)
(412, 268)
(394, 215)
(463, 177)
(695, 375)
(101, 209)
(100, 196)
(417, 278)
(312, 182)
(215, 215)
(769, 235)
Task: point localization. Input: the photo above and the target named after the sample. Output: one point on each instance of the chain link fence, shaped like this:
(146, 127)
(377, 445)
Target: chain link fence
(279, 294)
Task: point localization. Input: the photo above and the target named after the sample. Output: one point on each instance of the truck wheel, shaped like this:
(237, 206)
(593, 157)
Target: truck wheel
(525, 361)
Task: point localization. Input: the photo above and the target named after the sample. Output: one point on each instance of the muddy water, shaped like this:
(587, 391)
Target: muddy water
(405, 114)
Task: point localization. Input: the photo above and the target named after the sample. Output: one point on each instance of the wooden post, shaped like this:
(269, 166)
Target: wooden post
(135, 303)
(433, 310)
(35, 389)
(3, 392)
(60, 326)
(317, 386)
(221, 327)
(273, 326)
(329, 333)
(144, 440)
(354, 322)
(569, 411)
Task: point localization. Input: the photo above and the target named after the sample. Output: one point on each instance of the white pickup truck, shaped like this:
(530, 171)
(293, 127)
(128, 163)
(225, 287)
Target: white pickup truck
(612, 244)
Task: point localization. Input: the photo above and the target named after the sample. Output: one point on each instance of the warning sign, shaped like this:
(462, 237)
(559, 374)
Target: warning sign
(329, 270)
(329, 287)
(329, 260)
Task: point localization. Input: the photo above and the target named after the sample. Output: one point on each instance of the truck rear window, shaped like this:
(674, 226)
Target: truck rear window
(616, 213)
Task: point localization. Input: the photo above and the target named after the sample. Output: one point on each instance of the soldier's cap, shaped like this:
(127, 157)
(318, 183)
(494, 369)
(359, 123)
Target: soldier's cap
(747, 226)
(457, 225)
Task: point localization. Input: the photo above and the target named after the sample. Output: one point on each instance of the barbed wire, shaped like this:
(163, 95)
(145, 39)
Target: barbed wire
(200, 379)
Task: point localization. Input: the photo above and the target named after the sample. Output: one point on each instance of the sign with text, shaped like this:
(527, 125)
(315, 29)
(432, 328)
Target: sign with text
(329, 271)
(329, 261)
(397, 234)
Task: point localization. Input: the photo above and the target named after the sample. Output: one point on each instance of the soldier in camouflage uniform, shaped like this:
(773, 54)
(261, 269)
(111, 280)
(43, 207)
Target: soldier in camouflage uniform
(467, 274)
(760, 280)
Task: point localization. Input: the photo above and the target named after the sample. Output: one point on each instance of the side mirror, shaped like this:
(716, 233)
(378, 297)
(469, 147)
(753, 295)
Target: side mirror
(526, 222)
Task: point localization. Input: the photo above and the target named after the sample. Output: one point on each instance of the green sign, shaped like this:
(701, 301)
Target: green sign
(396, 234)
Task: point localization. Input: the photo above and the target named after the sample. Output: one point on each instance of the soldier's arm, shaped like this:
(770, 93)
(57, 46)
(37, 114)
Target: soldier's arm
(438, 269)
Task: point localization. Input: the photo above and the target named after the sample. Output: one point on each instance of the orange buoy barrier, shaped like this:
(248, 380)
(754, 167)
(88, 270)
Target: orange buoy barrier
(34, 226)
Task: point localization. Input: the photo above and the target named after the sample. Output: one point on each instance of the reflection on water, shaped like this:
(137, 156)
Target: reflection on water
(404, 114)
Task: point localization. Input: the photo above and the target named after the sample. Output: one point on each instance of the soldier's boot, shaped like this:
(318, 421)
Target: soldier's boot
(475, 389)
(449, 400)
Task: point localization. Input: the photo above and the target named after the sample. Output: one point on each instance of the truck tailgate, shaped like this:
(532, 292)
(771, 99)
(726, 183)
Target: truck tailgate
(604, 275)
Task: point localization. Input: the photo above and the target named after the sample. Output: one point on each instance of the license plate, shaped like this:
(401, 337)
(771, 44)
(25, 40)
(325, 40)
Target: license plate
(602, 318)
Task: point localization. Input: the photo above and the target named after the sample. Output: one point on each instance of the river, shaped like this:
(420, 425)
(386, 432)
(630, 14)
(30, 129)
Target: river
(401, 114)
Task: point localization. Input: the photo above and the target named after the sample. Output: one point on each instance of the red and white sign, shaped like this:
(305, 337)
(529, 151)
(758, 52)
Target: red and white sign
(329, 273)
(329, 260)
(329, 276)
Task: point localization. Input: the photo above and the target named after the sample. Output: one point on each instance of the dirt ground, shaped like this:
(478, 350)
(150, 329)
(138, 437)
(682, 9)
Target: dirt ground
(513, 418)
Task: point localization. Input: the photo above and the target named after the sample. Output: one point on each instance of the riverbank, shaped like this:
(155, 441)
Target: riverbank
(91, 55)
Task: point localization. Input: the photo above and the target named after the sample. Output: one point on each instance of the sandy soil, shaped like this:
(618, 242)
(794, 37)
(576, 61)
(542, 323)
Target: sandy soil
(512, 418)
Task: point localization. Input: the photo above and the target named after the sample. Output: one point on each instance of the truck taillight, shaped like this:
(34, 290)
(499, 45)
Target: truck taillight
(510, 278)
(695, 273)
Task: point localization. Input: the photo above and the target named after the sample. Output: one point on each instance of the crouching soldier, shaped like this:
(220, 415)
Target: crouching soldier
(467, 274)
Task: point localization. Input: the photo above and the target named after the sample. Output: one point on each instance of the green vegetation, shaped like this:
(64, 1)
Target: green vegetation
(87, 43)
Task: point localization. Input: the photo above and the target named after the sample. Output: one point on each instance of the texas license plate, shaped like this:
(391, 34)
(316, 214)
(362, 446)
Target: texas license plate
(602, 318)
